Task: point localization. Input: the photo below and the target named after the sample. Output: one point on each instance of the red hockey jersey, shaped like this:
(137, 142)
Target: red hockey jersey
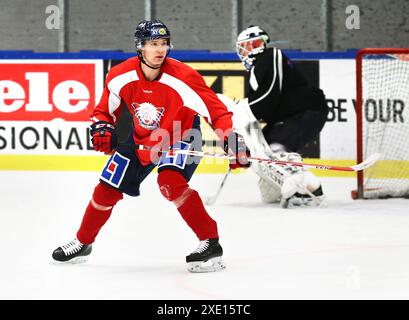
(167, 104)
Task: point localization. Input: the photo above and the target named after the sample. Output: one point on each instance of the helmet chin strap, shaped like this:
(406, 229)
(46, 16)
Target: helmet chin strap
(144, 62)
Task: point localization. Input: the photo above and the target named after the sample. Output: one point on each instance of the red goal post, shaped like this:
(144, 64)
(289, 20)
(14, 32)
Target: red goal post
(382, 82)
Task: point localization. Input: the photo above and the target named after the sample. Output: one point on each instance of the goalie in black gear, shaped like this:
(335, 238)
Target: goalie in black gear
(293, 112)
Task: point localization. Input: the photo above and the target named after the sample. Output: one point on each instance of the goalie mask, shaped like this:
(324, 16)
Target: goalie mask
(150, 30)
(250, 43)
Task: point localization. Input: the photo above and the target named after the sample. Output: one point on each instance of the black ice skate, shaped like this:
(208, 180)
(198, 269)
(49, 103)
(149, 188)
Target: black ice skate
(208, 250)
(72, 252)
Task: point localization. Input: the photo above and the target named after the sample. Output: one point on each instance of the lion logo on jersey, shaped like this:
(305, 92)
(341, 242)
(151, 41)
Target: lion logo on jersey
(148, 115)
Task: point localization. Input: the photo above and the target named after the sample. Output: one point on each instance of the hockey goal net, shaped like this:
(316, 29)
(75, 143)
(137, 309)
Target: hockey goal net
(382, 108)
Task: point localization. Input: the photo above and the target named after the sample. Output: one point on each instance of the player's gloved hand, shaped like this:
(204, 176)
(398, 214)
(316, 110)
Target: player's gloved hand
(234, 145)
(103, 136)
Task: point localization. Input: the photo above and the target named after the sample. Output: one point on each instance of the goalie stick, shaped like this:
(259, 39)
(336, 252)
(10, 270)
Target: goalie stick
(371, 160)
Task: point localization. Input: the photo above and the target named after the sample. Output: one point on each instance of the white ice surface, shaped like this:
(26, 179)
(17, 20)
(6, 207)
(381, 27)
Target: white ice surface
(348, 250)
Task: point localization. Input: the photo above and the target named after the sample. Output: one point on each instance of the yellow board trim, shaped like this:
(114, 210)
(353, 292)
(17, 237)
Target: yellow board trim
(79, 163)
(383, 169)
(52, 162)
(398, 169)
(333, 173)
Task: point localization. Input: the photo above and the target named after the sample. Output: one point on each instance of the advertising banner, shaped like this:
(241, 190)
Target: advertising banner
(45, 105)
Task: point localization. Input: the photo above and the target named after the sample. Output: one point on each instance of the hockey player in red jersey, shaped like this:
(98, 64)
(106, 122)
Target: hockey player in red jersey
(165, 97)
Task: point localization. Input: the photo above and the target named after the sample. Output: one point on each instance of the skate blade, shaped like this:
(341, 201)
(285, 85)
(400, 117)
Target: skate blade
(76, 260)
(213, 265)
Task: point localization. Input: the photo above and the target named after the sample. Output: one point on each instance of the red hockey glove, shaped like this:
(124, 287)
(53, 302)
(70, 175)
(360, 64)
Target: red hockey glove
(103, 136)
(235, 146)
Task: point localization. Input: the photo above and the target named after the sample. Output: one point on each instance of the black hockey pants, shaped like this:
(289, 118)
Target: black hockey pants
(297, 131)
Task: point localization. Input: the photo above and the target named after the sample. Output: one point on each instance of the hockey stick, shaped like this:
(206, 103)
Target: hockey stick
(371, 160)
(210, 200)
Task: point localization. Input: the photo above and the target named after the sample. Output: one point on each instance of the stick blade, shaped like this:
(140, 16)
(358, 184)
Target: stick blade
(370, 161)
(210, 200)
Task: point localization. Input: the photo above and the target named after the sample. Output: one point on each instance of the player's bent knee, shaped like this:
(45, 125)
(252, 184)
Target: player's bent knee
(173, 186)
(105, 197)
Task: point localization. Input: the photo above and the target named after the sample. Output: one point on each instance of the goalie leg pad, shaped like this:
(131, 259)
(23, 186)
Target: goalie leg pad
(300, 182)
(270, 192)
(315, 198)
(302, 188)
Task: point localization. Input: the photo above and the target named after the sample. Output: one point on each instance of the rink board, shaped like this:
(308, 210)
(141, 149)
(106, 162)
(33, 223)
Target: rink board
(45, 125)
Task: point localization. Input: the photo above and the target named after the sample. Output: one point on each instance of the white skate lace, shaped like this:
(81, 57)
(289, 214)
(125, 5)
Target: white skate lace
(72, 247)
(202, 246)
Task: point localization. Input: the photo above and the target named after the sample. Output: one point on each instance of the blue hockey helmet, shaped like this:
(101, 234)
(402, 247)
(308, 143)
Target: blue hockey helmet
(150, 30)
